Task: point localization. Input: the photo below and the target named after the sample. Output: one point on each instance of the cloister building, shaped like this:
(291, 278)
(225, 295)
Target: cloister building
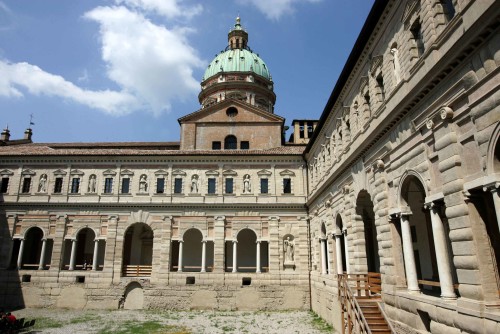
(398, 180)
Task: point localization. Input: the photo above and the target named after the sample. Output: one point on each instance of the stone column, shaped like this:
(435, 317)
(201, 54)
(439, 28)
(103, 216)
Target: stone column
(258, 257)
(203, 255)
(409, 257)
(73, 255)
(235, 243)
(96, 251)
(328, 264)
(346, 252)
(20, 255)
(179, 263)
(323, 257)
(338, 251)
(442, 258)
(42, 255)
(495, 192)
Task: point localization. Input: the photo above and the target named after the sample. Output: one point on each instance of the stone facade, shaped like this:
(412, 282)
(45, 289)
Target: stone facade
(400, 177)
(402, 174)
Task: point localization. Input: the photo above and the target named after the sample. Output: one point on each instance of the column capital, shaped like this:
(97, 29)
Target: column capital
(258, 241)
(235, 241)
(180, 240)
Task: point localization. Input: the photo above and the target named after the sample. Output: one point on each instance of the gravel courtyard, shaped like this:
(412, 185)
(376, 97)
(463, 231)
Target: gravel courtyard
(57, 321)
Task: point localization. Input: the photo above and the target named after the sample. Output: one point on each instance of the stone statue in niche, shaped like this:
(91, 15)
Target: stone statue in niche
(246, 184)
(92, 182)
(289, 249)
(397, 66)
(194, 184)
(143, 184)
(42, 185)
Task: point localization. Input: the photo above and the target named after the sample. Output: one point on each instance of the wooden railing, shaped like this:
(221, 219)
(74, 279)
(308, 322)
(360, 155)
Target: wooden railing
(352, 286)
(137, 271)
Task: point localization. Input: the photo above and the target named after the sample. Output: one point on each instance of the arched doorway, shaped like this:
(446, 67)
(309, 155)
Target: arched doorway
(138, 250)
(364, 213)
(84, 249)
(192, 251)
(246, 251)
(31, 249)
(133, 297)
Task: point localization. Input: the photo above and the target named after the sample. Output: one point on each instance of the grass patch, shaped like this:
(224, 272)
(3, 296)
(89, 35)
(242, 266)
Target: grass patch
(320, 324)
(44, 323)
(84, 318)
(148, 327)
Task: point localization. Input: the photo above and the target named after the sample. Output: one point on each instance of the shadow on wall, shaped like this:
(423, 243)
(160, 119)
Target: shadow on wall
(11, 295)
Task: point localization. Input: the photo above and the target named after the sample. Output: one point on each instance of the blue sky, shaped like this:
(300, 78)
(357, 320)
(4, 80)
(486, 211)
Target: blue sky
(126, 70)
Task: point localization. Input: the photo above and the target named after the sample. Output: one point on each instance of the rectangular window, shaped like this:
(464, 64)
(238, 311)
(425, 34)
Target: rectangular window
(264, 186)
(160, 185)
(125, 185)
(216, 145)
(75, 185)
(287, 186)
(416, 31)
(108, 185)
(58, 185)
(229, 185)
(178, 186)
(5, 185)
(245, 145)
(26, 185)
(211, 185)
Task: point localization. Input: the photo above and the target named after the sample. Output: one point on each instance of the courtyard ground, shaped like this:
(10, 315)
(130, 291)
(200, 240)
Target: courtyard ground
(57, 321)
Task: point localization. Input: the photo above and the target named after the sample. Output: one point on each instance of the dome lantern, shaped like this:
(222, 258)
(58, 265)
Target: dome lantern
(237, 37)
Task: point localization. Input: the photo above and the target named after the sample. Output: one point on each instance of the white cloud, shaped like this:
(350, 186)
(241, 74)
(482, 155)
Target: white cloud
(168, 8)
(153, 63)
(274, 9)
(17, 76)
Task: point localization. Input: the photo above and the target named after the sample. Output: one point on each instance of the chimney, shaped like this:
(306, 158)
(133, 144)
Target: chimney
(28, 133)
(5, 134)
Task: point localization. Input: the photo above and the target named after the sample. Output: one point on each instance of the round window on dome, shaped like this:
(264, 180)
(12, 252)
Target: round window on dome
(231, 112)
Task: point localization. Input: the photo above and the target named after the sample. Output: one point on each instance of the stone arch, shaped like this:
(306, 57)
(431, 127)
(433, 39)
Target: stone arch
(493, 154)
(31, 248)
(402, 203)
(133, 298)
(246, 250)
(365, 221)
(192, 250)
(422, 237)
(138, 250)
(324, 248)
(84, 248)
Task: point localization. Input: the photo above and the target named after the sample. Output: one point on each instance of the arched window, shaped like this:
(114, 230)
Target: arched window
(230, 143)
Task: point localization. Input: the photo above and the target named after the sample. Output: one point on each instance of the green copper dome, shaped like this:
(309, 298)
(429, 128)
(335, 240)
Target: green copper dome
(237, 60)
(237, 57)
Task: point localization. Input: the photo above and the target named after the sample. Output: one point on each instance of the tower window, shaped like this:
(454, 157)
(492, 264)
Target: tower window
(160, 185)
(211, 185)
(216, 145)
(26, 185)
(108, 185)
(58, 185)
(287, 186)
(264, 186)
(125, 185)
(178, 186)
(75, 185)
(229, 185)
(245, 145)
(5, 185)
(232, 112)
(230, 143)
